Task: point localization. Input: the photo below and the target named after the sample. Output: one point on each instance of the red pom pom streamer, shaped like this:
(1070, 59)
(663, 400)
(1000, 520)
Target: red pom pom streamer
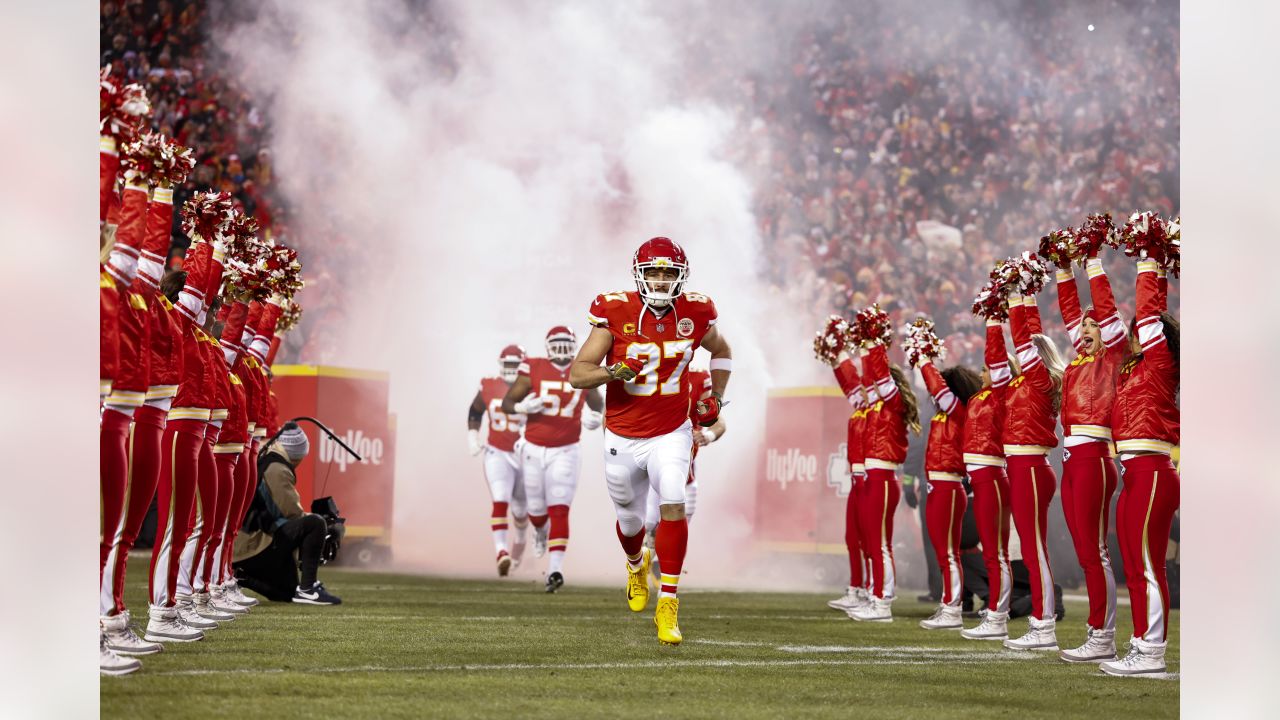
(1096, 232)
(832, 339)
(920, 341)
(284, 271)
(246, 265)
(872, 325)
(1026, 274)
(208, 215)
(122, 109)
(158, 160)
(1059, 248)
(990, 302)
(1148, 235)
(290, 316)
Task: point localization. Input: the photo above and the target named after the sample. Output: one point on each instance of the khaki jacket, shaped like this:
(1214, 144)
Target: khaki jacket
(282, 484)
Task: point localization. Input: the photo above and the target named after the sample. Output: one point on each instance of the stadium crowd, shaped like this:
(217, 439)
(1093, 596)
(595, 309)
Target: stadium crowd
(899, 154)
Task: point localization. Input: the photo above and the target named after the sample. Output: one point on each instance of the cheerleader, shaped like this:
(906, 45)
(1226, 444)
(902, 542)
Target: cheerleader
(232, 436)
(164, 372)
(855, 596)
(1089, 474)
(1030, 432)
(1146, 426)
(951, 390)
(181, 446)
(888, 419)
(984, 462)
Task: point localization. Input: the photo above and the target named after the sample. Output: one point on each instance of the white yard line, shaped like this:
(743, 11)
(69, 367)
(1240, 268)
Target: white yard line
(507, 667)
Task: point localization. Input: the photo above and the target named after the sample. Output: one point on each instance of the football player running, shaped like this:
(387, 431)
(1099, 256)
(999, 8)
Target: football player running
(645, 339)
(550, 458)
(501, 456)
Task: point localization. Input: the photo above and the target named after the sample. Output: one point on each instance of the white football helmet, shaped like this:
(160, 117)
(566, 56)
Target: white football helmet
(562, 345)
(509, 362)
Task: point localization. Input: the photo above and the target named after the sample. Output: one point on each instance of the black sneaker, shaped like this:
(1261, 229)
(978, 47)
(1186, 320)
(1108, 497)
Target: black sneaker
(554, 582)
(315, 595)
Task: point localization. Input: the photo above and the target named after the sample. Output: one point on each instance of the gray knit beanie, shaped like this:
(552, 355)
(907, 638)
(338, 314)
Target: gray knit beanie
(294, 442)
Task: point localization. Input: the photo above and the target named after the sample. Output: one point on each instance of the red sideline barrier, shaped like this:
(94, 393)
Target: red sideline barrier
(353, 404)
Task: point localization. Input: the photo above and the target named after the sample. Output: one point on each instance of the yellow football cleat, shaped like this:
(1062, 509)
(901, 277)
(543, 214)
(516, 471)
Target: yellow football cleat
(665, 618)
(638, 583)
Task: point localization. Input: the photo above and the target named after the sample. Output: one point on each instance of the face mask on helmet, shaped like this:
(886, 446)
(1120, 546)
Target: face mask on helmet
(659, 269)
(562, 345)
(509, 363)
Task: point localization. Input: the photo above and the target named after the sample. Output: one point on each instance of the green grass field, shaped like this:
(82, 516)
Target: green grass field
(407, 646)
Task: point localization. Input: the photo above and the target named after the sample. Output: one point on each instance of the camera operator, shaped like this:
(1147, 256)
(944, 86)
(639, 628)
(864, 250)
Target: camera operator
(277, 526)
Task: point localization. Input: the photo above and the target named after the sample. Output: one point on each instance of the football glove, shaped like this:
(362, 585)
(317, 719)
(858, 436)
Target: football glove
(709, 410)
(531, 405)
(473, 442)
(591, 419)
(626, 369)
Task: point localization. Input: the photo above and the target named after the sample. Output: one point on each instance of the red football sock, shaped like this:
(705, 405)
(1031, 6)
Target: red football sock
(537, 520)
(557, 536)
(671, 543)
(632, 545)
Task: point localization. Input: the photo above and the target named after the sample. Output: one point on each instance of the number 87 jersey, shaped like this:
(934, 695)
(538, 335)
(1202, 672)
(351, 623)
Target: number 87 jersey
(656, 401)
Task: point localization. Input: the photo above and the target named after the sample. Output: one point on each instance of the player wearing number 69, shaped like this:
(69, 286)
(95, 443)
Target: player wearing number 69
(550, 459)
(646, 339)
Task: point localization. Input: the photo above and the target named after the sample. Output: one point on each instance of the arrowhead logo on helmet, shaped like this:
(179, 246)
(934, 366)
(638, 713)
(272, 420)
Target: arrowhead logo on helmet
(660, 269)
(562, 345)
(509, 362)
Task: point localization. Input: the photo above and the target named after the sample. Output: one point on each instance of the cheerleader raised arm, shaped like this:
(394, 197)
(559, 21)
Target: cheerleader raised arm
(1146, 426)
(890, 416)
(1089, 474)
(985, 465)
(1031, 405)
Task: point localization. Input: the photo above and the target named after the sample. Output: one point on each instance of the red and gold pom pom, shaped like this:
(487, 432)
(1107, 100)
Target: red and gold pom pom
(871, 325)
(122, 109)
(284, 270)
(246, 264)
(920, 341)
(157, 160)
(990, 302)
(1025, 274)
(1096, 232)
(832, 339)
(1059, 248)
(290, 316)
(208, 214)
(1147, 235)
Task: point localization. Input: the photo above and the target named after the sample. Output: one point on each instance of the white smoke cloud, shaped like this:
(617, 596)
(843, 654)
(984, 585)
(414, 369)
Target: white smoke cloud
(497, 201)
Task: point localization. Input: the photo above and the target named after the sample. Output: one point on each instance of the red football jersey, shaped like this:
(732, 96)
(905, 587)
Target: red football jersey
(656, 401)
(560, 422)
(504, 429)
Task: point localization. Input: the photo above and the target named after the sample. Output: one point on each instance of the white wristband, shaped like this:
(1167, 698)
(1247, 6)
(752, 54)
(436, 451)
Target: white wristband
(710, 434)
(725, 364)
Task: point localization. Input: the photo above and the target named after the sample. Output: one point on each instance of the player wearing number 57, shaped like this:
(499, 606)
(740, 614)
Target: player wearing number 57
(646, 339)
(550, 459)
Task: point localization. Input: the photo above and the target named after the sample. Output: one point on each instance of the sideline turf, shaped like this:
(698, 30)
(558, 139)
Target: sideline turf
(398, 646)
